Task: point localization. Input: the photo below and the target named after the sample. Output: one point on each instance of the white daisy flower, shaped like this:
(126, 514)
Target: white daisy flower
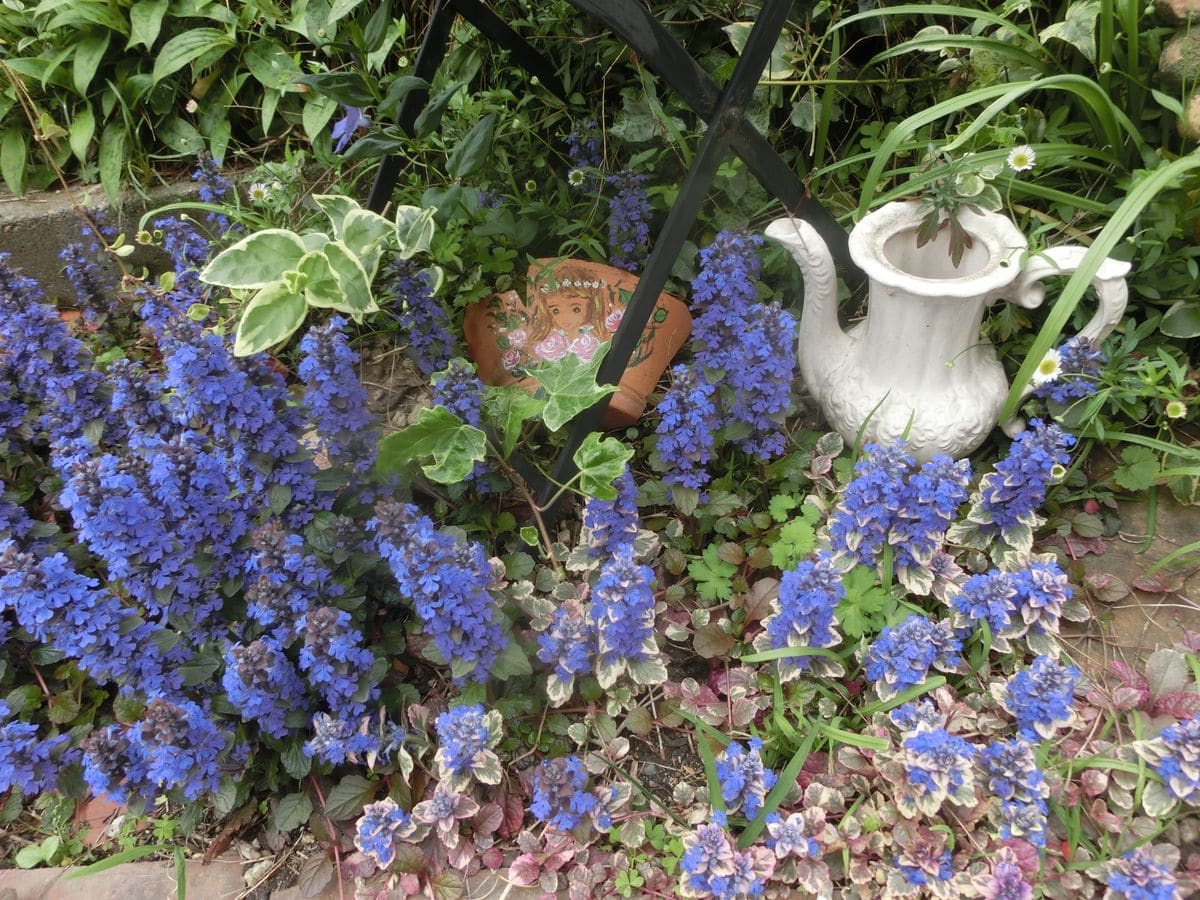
(1049, 369)
(1021, 159)
(575, 177)
(1176, 409)
(259, 192)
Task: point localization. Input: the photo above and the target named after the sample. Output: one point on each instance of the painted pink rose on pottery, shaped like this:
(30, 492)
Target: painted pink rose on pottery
(510, 359)
(613, 320)
(518, 338)
(553, 347)
(585, 347)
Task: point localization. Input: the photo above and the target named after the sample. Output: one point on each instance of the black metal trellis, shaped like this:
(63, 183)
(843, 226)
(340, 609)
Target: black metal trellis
(728, 130)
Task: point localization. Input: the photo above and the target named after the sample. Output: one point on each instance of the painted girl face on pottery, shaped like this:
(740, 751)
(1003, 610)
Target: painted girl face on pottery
(569, 313)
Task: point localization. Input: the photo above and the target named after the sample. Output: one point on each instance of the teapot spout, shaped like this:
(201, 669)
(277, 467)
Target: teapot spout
(823, 346)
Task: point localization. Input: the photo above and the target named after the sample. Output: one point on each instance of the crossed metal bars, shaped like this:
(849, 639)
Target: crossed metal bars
(728, 130)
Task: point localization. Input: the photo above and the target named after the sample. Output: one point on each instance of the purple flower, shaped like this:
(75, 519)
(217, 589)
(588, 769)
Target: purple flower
(1139, 876)
(863, 518)
(262, 683)
(938, 765)
(466, 736)
(1079, 364)
(114, 765)
(1011, 494)
(1041, 697)
(623, 610)
(803, 616)
(181, 745)
(902, 656)
(1179, 760)
(353, 118)
(430, 341)
(379, 828)
(559, 795)
(789, 837)
(336, 740)
(628, 221)
(743, 777)
(612, 524)
(334, 398)
(448, 582)
(687, 428)
(333, 660)
(1014, 778)
(26, 763)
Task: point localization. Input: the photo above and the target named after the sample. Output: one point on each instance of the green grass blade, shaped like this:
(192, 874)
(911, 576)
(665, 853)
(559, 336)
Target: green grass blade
(1110, 120)
(788, 652)
(929, 684)
(850, 739)
(1112, 233)
(1017, 56)
(937, 9)
(786, 780)
(109, 862)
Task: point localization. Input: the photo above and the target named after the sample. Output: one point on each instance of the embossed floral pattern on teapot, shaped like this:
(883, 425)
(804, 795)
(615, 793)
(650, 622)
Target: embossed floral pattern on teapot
(917, 366)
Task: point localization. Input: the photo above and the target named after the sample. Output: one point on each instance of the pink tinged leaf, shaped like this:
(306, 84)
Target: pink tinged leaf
(410, 884)
(1126, 698)
(489, 818)
(1158, 583)
(1106, 588)
(556, 861)
(460, 856)
(493, 858)
(524, 870)
(1094, 782)
(1179, 704)
(514, 814)
(359, 865)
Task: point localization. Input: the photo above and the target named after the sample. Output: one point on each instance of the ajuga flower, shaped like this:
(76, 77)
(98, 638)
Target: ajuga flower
(336, 740)
(1011, 495)
(559, 795)
(803, 616)
(687, 427)
(623, 611)
(430, 341)
(1175, 754)
(1077, 363)
(466, 738)
(262, 683)
(938, 766)
(863, 518)
(711, 866)
(380, 827)
(1014, 778)
(743, 777)
(27, 763)
(443, 811)
(334, 398)
(1041, 697)
(628, 221)
(902, 656)
(612, 524)
(1139, 876)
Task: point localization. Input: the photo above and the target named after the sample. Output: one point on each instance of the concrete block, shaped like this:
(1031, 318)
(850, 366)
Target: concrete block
(36, 227)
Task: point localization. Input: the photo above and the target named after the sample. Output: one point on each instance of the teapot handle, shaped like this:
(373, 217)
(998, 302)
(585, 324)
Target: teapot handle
(1108, 282)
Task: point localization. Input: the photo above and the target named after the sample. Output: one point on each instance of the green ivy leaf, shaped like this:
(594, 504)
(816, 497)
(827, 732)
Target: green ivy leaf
(796, 540)
(511, 407)
(269, 318)
(600, 461)
(570, 385)
(438, 433)
(781, 505)
(513, 661)
(365, 234)
(256, 261)
(712, 575)
(860, 613)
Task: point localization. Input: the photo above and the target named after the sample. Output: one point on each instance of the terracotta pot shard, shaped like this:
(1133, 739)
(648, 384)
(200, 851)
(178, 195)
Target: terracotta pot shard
(572, 307)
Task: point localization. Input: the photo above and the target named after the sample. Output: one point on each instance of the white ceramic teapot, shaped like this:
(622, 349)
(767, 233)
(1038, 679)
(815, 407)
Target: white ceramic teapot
(917, 364)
